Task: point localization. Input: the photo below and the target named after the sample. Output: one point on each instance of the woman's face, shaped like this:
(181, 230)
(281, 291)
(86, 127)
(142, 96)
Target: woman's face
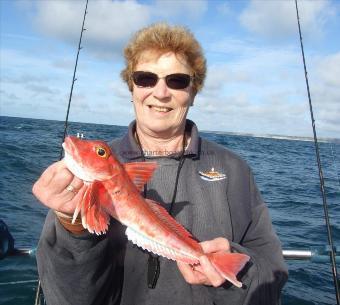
(161, 111)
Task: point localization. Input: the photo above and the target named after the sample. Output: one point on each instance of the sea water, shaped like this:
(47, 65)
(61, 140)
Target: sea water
(285, 171)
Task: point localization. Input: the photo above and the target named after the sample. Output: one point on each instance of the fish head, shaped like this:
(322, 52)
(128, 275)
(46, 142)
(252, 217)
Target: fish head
(88, 160)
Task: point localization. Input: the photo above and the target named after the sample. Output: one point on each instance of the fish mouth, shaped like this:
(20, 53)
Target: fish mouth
(74, 166)
(68, 146)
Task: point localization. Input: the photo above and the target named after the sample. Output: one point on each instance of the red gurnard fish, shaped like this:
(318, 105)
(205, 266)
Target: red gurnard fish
(114, 189)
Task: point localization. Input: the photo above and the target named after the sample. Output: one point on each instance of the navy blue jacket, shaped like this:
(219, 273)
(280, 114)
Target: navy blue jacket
(109, 270)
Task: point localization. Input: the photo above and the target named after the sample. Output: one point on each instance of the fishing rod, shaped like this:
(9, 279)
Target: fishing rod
(322, 182)
(39, 293)
(73, 79)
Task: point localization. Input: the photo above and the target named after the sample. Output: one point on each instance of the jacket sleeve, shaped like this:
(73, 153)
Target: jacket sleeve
(79, 269)
(267, 270)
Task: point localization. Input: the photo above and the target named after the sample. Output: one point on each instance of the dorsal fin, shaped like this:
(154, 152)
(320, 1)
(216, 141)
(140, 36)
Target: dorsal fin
(140, 172)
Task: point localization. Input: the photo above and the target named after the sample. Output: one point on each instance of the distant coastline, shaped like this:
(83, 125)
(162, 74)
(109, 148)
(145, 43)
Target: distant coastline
(267, 136)
(275, 136)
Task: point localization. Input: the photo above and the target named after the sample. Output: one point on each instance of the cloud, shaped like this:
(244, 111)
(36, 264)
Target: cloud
(43, 92)
(328, 69)
(109, 24)
(325, 92)
(180, 9)
(263, 91)
(231, 46)
(251, 87)
(7, 98)
(244, 62)
(224, 75)
(224, 9)
(39, 89)
(19, 37)
(63, 63)
(30, 91)
(240, 113)
(276, 20)
(120, 90)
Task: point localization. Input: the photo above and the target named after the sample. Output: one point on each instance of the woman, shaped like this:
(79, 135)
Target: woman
(165, 68)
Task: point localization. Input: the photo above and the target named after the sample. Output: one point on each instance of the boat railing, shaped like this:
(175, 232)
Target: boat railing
(316, 254)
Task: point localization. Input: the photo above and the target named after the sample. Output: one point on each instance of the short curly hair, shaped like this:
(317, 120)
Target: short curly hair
(162, 38)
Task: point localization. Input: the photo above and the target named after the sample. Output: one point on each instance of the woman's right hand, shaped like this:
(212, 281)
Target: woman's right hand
(51, 188)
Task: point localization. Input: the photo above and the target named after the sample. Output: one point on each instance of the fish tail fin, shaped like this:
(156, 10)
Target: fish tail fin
(229, 264)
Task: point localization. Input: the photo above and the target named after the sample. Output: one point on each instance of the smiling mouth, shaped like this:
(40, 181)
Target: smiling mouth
(160, 109)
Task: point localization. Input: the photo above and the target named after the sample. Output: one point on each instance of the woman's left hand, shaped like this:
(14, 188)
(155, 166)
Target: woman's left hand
(205, 273)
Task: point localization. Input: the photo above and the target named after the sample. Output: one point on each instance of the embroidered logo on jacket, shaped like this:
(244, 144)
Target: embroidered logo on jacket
(212, 175)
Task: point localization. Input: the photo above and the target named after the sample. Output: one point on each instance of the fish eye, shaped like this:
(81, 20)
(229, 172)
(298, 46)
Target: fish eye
(101, 152)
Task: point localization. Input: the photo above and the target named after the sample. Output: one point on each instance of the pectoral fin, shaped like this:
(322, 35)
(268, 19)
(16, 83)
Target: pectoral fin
(94, 218)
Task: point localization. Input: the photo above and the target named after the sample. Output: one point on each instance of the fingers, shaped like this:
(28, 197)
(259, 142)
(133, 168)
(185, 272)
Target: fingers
(72, 186)
(213, 276)
(212, 246)
(61, 177)
(192, 275)
(51, 190)
(49, 173)
(70, 200)
(205, 273)
(215, 245)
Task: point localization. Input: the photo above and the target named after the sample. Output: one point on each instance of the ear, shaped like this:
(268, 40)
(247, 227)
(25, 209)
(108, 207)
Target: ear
(192, 100)
(193, 95)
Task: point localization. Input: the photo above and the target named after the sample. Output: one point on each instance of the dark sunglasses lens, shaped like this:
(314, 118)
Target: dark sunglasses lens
(144, 79)
(178, 81)
(149, 79)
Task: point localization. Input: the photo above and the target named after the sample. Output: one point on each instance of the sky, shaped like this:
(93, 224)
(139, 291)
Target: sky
(255, 81)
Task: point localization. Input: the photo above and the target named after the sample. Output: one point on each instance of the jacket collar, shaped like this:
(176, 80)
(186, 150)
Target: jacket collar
(129, 149)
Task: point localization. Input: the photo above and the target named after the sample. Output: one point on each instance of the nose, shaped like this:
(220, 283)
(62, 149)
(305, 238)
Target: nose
(161, 90)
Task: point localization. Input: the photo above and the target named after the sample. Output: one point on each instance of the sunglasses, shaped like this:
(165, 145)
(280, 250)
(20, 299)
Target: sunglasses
(173, 81)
